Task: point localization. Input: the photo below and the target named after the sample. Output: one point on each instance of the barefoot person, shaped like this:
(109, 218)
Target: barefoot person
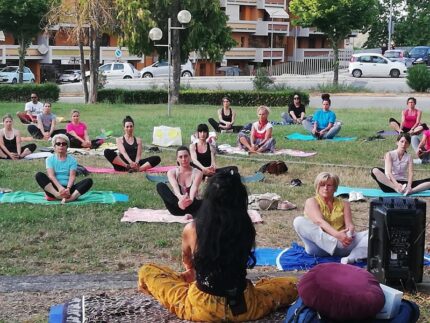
(411, 119)
(226, 118)
(216, 252)
(296, 111)
(398, 173)
(31, 110)
(261, 140)
(327, 228)
(46, 123)
(185, 182)
(59, 182)
(77, 132)
(130, 152)
(422, 147)
(10, 141)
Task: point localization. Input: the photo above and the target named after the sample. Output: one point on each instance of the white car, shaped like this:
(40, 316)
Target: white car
(9, 74)
(119, 71)
(369, 64)
(162, 69)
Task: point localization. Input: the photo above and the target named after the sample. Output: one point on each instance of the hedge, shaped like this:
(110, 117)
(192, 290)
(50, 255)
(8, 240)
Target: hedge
(239, 98)
(21, 92)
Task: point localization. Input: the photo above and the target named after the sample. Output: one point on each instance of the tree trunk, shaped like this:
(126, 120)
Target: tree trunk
(336, 63)
(22, 51)
(82, 65)
(94, 64)
(176, 53)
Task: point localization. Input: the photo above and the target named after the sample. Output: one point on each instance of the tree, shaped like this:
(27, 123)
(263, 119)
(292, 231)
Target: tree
(24, 20)
(207, 33)
(335, 18)
(89, 19)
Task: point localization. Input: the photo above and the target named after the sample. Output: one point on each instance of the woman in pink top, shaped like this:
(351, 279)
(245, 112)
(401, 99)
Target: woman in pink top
(422, 147)
(398, 173)
(411, 120)
(77, 132)
(261, 140)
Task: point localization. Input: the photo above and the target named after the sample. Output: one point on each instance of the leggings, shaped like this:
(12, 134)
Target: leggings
(37, 134)
(404, 129)
(76, 143)
(388, 189)
(171, 201)
(216, 124)
(110, 155)
(31, 147)
(82, 187)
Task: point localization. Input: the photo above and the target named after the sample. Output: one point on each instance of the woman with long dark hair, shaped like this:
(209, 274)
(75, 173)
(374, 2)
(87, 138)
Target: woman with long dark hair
(216, 251)
(10, 141)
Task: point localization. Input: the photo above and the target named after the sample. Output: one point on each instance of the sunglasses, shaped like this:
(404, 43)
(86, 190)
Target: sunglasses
(61, 144)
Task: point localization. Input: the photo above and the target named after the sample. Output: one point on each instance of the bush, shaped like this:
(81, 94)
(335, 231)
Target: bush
(262, 81)
(239, 98)
(418, 78)
(21, 92)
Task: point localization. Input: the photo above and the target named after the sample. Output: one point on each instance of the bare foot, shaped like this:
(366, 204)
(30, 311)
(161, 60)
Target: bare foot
(64, 201)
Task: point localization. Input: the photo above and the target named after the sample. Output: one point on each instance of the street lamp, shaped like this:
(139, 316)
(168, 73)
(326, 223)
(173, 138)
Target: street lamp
(155, 34)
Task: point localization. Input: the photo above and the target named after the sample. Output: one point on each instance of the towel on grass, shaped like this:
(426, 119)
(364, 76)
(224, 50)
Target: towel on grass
(302, 137)
(135, 214)
(38, 155)
(104, 197)
(107, 170)
(228, 149)
(375, 192)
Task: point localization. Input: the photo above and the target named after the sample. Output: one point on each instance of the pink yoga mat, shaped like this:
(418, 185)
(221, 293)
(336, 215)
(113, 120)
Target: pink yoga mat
(101, 170)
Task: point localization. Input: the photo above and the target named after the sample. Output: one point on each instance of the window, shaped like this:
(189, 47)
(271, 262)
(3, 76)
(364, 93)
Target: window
(365, 59)
(378, 60)
(118, 67)
(106, 67)
(27, 70)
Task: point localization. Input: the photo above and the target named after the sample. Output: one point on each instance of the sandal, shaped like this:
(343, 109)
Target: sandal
(286, 205)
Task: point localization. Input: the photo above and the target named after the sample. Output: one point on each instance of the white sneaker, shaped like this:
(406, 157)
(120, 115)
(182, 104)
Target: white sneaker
(352, 196)
(360, 196)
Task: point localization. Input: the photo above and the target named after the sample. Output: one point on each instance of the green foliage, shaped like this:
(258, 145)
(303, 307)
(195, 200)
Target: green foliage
(262, 80)
(418, 78)
(241, 98)
(340, 88)
(21, 92)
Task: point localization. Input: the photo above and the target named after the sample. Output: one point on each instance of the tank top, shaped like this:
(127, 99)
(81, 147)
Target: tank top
(399, 167)
(225, 117)
(10, 144)
(410, 119)
(185, 189)
(335, 216)
(131, 150)
(204, 158)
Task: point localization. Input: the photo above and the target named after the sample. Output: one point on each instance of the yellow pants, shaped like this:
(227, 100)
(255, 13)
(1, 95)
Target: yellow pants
(189, 303)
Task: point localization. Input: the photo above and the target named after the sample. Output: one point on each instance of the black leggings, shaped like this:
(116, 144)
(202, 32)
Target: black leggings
(404, 129)
(171, 201)
(76, 143)
(31, 147)
(37, 134)
(82, 187)
(216, 124)
(388, 189)
(110, 155)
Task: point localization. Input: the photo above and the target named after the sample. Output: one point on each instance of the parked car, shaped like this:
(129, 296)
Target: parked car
(117, 71)
(229, 70)
(420, 55)
(369, 64)
(9, 74)
(399, 55)
(161, 68)
(70, 76)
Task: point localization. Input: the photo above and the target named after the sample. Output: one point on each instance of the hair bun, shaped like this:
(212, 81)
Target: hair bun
(325, 96)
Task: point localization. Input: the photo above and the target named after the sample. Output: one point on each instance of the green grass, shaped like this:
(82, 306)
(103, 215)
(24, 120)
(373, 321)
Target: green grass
(340, 88)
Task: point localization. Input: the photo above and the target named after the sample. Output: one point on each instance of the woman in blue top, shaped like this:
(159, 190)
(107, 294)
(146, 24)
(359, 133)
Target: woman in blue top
(323, 124)
(59, 182)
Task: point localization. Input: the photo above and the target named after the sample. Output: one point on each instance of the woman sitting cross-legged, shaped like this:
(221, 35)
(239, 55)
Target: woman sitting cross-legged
(46, 124)
(398, 173)
(77, 132)
(185, 181)
(411, 119)
(226, 118)
(10, 141)
(327, 228)
(130, 152)
(261, 140)
(59, 182)
(422, 146)
(216, 252)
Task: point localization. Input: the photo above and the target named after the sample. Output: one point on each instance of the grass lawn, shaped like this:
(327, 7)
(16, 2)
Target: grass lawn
(81, 239)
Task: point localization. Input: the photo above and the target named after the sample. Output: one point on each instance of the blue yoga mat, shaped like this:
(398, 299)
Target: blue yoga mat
(375, 192)
(266, 256)
(105, 197)
(302, 137)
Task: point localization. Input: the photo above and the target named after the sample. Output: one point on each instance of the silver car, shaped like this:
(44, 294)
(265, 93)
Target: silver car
(161, 69)
(70, 76)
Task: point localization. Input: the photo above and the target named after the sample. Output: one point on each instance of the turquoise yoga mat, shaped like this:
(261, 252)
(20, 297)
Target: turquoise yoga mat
(375, 192)
(103, 197)
(302, 137)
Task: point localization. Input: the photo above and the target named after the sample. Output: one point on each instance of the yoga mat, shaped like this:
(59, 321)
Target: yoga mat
(106, 170)
(104, 197)
(149, 215)
(266, 256)
(302, 137)
(257, 177)
(375, 192)
(227, 149)
(42, 154)
(387, 133)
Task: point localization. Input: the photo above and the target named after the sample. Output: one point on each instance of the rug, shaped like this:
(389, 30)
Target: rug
(375, 192)
(303, 137)
(107, 170)
(228, 149)
(149, 215)
(103, 197)
(257, 177)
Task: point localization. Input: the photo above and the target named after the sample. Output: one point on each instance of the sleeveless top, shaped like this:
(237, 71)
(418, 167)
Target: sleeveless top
(334, 217)
(204, 158)
(260, 133)
(130, 149)
(399, 167)
(410, 119)
(227, 118)
(10, 144)
(185, 189)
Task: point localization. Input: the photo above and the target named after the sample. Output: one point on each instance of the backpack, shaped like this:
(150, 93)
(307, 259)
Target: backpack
(274, 167)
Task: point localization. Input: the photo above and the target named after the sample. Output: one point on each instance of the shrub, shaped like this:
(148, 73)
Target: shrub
(262, 81)
(21, 92)
(418, 78)
(239, 98)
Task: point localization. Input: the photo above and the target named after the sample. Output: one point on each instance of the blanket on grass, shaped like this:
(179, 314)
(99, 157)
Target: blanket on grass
(257, 177)
(38, 155)
(107, 170)
(228, 149)
(149, 215)
(302, 137)
(375, 192)
(103, 197)
(387, 133)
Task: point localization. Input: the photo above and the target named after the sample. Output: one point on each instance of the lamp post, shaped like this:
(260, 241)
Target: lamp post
(390, 24)
(184, 17)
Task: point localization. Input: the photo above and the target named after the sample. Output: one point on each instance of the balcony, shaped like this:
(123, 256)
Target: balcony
(265, 28)
(240, 2)
(262, 4)
(241, 53)
(8, 52)
(257, 55)
(243, 26)
(320, 53)
(264, 54)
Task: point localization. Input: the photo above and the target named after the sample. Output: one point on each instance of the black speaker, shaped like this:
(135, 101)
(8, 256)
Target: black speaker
(396, 240)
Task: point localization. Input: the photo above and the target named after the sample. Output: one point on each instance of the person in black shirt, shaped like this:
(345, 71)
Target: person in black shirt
(296, 111)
